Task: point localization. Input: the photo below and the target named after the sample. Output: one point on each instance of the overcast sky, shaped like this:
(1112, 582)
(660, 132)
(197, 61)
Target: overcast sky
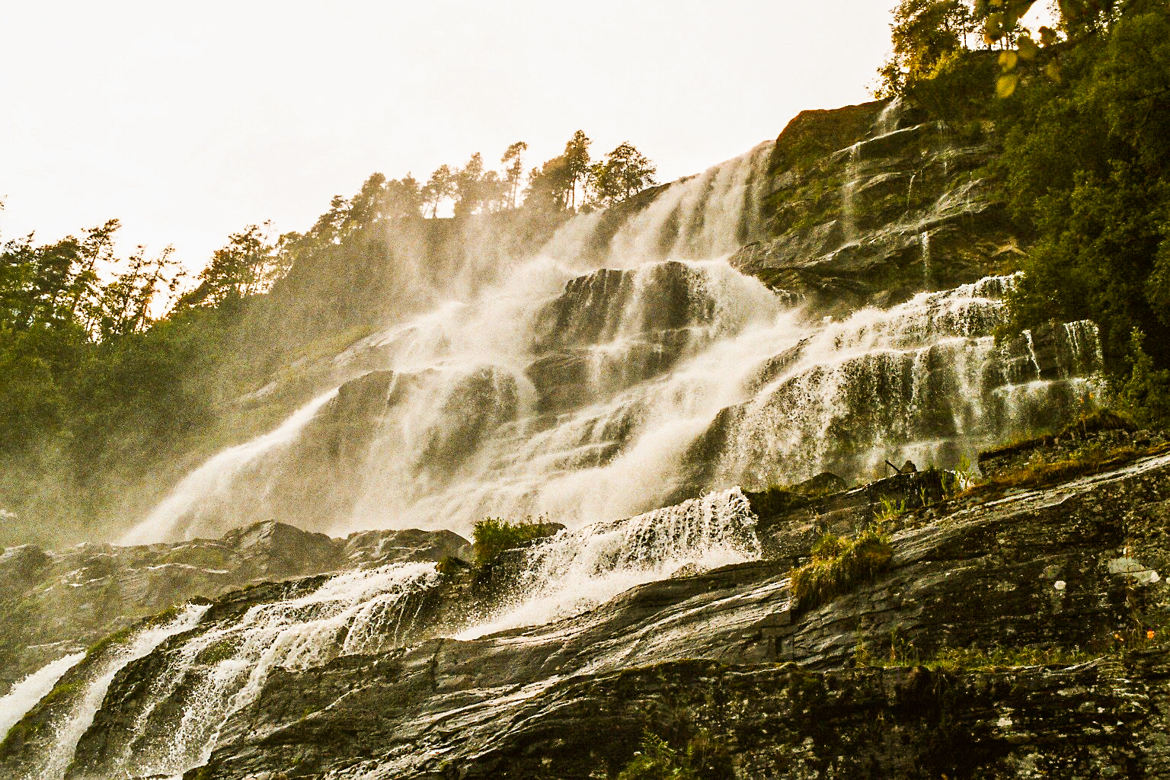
(188, 121)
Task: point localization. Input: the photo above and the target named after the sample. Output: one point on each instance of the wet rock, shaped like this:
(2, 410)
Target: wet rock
(707, 651)
(896, 207)
(55, 603)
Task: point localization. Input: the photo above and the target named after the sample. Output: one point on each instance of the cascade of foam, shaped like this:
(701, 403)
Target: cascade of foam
(222, 670)
(219, 475)
(705, 216)
(27, 692)
(848, 188)
(924, 247)
(67, 732)
(580, 569)
(887, 119)
(924, 380)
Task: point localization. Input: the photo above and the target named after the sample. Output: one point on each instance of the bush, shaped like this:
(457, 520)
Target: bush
(838, 565)
(494, 535)
(703, 759)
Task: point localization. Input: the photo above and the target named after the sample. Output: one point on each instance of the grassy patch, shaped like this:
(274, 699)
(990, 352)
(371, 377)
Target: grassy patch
(494, 535)
(108, 640)
(1042, 473)
(956, 659)
(838, 565)
(702, 758)
(220, 651)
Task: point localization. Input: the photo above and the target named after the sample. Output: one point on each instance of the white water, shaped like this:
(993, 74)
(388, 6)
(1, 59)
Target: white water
(356, 612)
(67, 732)
(585, 383)
(578, 570)
(221, 669)
(27, 692)
(217, 476)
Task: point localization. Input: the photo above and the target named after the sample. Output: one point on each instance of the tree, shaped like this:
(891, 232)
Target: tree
(924, 33)
(245, 266)
(624, 172)
(438, 188)
(576, 161)
(549, 186)
(513, 163)
(125, 303)
(468, 186)
(403, 198)
(1086, 169)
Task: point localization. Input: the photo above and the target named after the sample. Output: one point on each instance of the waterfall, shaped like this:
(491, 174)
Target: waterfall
(68, 730)
(627, 366)
(27, 692)
(924, 247)
(848, 188)
(222, 669)
(577, 570)
(170, 714)
(219, 474)
(923, 380)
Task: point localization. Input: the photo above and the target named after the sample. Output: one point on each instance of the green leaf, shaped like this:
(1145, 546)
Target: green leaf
(1008, 60)
(1028, 48)
(1005, 85)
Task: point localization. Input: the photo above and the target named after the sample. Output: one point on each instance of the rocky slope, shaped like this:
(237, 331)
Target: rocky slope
(870, 203)
(1069, 566)
(1013, 628)
(56, 603)
(1017, 631)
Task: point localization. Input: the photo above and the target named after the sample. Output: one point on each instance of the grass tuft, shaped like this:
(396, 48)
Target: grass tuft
(838, 565)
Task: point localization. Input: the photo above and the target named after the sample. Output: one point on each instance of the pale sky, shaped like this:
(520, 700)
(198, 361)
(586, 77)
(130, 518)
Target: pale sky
(188, 121)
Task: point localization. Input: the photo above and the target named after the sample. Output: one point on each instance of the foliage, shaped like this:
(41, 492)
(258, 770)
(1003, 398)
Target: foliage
(838, 565)
(1089, 461)
(623, 173)
(1147, 390)
(1087, 169)
(891, 509)
(702, 759)
(953, 659)
(494, 535)
(924, 34)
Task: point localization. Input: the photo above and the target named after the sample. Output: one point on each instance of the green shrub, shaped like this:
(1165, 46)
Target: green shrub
(494, 535)
(703, 759)
(838, 565)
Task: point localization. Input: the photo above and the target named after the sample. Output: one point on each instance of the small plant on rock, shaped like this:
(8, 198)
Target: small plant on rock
(838, 565)
(703, 759)
(494, 535)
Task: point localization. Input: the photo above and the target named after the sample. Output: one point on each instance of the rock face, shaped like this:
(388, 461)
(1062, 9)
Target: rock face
(1030, 569)
(1016, 629)
(54, 603)
(871, 203)
(1071, 573)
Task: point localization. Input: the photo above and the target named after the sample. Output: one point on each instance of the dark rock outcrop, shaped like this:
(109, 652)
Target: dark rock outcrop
(54, 603)
(871, 203)
(1070, 566)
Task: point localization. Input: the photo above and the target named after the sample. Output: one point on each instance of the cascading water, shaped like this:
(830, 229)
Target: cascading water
(27, 692)
(204, 678)
(579, 569)
(222, 669)
(220, 473)
(69, 727)
(628, 366)
(848, 189)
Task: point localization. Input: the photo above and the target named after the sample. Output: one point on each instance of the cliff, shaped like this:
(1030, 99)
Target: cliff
(1015, 630)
